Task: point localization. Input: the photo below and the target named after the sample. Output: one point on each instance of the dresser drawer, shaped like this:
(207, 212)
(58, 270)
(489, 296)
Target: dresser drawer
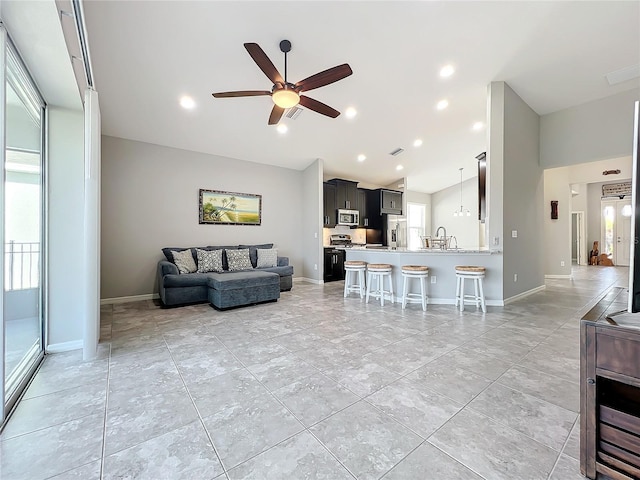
(618, 354)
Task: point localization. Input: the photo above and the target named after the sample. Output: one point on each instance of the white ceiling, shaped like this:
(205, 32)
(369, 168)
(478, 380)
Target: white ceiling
(147, 54)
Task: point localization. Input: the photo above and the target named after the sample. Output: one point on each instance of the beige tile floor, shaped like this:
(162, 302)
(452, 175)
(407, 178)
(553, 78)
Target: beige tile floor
(315, 386)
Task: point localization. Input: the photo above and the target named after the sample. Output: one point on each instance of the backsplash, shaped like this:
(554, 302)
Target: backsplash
(358, 235)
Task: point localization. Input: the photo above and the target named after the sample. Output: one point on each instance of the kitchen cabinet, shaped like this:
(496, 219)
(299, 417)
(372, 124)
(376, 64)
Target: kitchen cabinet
(346, 193)
(333, 264)
(329, 192)
(361, 206)
(610, 399)
(390, 202)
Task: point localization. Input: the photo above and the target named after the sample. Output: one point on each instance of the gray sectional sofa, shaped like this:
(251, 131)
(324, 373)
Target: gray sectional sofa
(223, 289)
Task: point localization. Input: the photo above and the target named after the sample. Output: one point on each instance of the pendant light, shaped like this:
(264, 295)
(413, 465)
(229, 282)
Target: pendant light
(463, 211)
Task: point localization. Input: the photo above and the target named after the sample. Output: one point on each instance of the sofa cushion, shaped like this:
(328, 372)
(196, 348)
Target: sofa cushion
(191, 280)
(184, 261)
(285, 271)
(253, 251)
(246, 279)
(238, 260)
(209, 260)
(267, 257)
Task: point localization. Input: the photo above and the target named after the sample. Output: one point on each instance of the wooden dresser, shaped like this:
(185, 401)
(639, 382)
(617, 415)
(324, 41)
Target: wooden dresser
(610, 398)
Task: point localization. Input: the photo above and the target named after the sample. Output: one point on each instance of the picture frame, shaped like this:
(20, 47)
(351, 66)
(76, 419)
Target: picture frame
(217, 207)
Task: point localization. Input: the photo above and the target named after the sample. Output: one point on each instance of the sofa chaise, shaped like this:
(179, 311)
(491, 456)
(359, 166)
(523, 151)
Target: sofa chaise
(238, 275)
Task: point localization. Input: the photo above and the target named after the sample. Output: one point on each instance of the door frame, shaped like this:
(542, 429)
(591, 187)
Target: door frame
(581, 231)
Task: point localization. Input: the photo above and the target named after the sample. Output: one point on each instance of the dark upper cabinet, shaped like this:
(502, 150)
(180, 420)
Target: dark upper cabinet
(482, 186)
(329, 192)
(390, 202)
(374, 214)
(346, 193)
(361, 206)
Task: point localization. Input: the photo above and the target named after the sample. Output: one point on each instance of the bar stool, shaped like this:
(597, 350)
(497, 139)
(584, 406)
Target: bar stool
(379, 271)
(421, 273)
(354, 277)
(473, 273)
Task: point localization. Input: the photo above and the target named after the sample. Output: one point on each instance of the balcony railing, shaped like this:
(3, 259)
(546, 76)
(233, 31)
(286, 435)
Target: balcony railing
(21, 265)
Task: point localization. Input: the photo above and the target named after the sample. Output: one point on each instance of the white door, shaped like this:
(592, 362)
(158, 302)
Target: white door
(616, 230)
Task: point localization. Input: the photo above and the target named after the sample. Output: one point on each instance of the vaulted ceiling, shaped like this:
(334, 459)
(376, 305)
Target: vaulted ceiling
(148, 54)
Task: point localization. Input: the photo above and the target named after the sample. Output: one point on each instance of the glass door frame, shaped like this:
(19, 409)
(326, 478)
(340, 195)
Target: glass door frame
(6, 46)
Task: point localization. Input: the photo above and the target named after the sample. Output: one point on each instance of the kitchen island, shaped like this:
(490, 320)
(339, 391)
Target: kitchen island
(441, 265)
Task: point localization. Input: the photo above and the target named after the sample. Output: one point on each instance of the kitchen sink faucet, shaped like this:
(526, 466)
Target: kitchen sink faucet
(443, 242)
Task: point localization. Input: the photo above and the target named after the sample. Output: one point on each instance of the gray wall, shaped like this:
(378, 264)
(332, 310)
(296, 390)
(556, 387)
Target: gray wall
(312, 221)
(447, 201)
(523, 197)
(150, 201)
(592, 131)
(66, 227)
(557, 233)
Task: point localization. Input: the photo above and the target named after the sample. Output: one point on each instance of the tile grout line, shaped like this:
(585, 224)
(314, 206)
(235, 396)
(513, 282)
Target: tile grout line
(184, 384)
(305, 428)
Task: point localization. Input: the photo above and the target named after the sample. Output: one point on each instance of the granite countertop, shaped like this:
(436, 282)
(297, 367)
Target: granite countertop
(449, 251)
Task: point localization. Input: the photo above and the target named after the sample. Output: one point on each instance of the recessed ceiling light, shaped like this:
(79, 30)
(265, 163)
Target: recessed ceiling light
(350, 112)
(362, 158)
(447, 71)
(399, 167)
(282, 128)
(187, 102)
(478, 126)
(417, 142)
(442, 104)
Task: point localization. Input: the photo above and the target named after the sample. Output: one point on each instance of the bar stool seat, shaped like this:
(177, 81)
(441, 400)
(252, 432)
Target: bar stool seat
(476, 274)
(354, 277)
(421, 272)
(379, 271)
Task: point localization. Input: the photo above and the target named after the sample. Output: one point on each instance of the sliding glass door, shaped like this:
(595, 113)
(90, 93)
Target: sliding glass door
(22, 212)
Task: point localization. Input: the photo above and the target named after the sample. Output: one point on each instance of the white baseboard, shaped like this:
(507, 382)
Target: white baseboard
(64, 346)
(129, 299)
(559, 276)
(524, 294)
(452, 301)
(305, 279)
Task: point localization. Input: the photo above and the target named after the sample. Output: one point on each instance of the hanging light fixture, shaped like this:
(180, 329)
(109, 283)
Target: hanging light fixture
(463, 211)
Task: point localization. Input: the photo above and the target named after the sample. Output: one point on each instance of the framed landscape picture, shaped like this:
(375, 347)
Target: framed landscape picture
(228, 208)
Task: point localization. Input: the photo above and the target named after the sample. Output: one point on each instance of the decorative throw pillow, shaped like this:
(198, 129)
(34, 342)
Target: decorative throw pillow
(209, 260)
(184, 261)
(238, 260)
(267, 258)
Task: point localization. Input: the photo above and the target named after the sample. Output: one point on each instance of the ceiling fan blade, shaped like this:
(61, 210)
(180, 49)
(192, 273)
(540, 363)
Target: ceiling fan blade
(319, 107)
(324, 78)
(263, 62)
(276, 115)
(242, 93)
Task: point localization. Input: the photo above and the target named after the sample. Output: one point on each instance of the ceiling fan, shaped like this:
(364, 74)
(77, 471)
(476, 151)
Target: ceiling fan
(287, 95)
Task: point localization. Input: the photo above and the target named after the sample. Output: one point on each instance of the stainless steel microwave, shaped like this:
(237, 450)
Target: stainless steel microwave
(348, 217)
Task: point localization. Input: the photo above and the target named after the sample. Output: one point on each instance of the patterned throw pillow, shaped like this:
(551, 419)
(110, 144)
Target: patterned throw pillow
(209, 260)
(184, 261)
(238, 260)
(267, 257)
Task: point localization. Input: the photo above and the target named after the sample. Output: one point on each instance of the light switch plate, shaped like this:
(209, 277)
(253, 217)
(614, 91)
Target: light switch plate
(514, 233)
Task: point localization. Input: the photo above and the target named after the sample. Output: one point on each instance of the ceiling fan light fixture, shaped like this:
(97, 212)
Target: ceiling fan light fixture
(285, 98)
